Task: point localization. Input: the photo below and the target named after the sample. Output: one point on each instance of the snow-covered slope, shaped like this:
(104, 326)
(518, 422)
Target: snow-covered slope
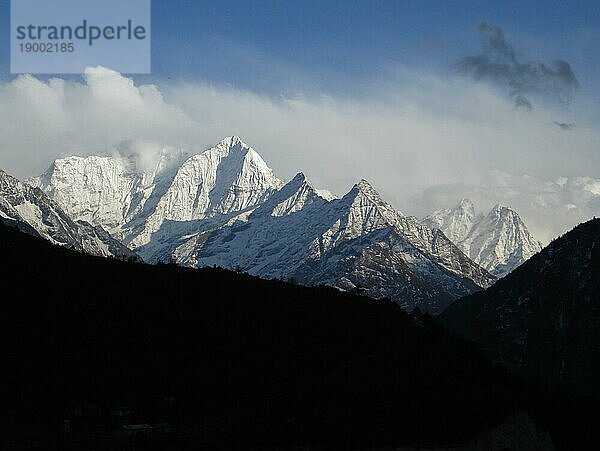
(111, 192)
(133, 197)
(456, 223)
(498, 241)
(358, 242)
(225, 207)
(228, 179)
(33, 212)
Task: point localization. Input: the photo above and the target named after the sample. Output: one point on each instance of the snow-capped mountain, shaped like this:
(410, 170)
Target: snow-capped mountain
(498, 241)
(111, 191)
(542, 320)
(133, 197)
(225, 207)
(226, 180)
(358, 242)
(456, 223)
(33, 212)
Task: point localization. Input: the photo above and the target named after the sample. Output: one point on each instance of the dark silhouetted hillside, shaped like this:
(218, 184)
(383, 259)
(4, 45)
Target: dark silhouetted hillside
(543, 320)
(228, 358)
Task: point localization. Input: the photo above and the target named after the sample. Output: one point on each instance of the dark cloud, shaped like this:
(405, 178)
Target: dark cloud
(522, 102)
(501, 64)
(564, 125)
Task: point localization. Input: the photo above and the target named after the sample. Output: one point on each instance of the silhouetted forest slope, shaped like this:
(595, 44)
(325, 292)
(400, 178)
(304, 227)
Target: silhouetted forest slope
(260, 362)
(543, 319)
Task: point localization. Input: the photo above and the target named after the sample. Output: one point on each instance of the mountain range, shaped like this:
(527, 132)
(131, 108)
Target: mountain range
(225, 207)
(33, 212)
(498, 241)
(535, 311)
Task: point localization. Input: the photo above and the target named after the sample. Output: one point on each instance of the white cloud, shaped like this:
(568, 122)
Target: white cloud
(549, 208)
(410, 133)
(41, 121)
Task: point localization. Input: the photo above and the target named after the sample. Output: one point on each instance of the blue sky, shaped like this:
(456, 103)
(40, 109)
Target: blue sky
(335, 44)
(283, 46)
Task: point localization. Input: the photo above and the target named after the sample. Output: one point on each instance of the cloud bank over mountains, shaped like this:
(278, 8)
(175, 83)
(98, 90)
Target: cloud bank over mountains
(412, 135)
(550, 207)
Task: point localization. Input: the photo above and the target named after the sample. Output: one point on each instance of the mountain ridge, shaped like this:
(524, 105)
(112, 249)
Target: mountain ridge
(498, 241)
(226, 207)
(30, 210)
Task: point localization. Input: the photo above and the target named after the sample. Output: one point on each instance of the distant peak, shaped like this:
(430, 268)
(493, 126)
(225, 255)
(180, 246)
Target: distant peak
(300, 177)
(363, 189)
(300, 181)
(233, 141)
(466, 203)
(501, 212)
(502, 207)
(465, 206)
(364, 186)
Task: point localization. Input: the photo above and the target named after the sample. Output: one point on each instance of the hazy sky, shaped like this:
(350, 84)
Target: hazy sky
(430, 101)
